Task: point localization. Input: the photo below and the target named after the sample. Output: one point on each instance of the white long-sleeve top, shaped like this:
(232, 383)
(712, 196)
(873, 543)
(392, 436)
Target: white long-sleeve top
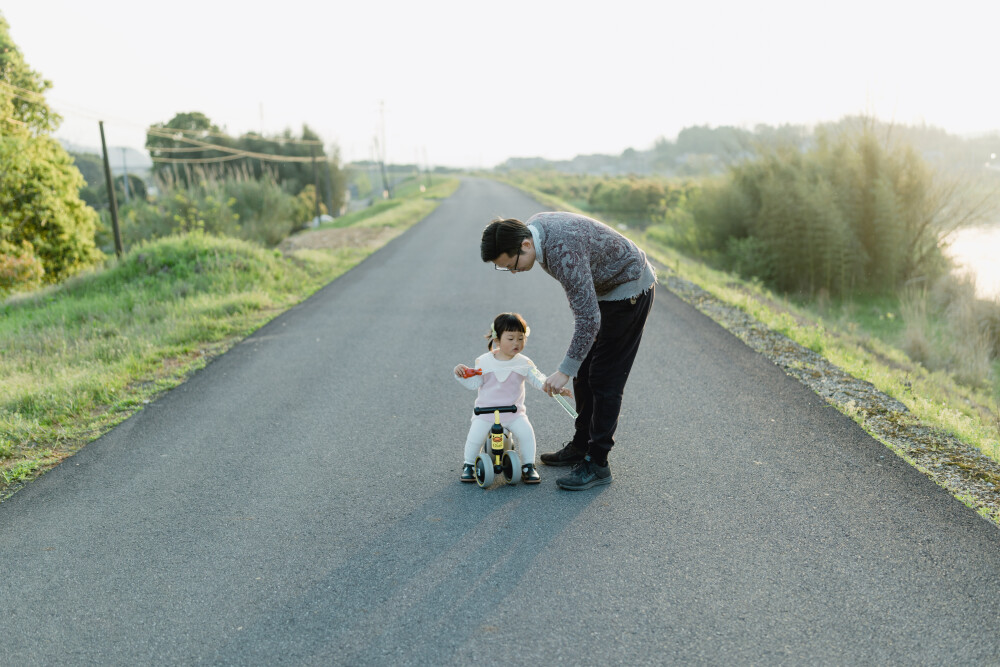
(502, 383)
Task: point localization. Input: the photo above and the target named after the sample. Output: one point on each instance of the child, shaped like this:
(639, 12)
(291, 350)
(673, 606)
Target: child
(504, 370)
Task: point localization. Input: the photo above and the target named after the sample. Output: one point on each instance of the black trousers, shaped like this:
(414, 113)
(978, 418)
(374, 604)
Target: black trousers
(600, 383)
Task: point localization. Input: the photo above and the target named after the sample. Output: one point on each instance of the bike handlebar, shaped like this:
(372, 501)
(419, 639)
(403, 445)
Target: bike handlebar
(500, 408)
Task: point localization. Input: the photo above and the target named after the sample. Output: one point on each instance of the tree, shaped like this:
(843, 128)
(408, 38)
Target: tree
(95, 190)
(41, 213)
(179, 138)
(91, 168)
(858, 211)
(190, 148)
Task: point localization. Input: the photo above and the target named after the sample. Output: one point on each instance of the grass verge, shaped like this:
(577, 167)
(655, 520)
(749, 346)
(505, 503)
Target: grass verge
(85, 355)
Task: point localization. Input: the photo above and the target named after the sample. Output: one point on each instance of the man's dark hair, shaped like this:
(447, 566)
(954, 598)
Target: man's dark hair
(503, 236)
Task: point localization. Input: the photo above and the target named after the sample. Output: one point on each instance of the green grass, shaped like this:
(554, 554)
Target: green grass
(860, 337)
(407, 194)
(354, 218)
(81, 357)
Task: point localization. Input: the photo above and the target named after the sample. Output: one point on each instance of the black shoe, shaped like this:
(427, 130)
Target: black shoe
(468, 473)
(584, 475)
(529, 475)
(567, 456)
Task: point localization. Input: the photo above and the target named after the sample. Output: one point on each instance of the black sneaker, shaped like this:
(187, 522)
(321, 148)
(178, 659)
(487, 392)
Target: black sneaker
(584, 475)
(529, 475)
(567, 456)
(468, 473)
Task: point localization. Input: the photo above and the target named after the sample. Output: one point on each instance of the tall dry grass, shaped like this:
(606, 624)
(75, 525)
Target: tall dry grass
(948, 328)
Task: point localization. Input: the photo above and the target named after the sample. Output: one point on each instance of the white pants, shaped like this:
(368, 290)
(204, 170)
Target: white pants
(520, 427)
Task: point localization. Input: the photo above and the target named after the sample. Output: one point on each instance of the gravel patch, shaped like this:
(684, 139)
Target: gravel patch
(967, 473)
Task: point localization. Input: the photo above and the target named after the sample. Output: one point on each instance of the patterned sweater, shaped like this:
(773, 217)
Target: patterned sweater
(593, 263)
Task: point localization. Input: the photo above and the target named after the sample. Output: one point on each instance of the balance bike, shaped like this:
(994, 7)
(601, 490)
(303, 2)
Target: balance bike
(499, 455)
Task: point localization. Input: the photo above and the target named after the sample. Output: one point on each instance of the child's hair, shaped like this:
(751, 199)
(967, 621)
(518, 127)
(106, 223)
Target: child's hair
(505, 322)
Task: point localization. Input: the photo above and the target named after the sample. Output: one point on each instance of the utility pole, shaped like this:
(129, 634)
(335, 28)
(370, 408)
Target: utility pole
(380, 154)
(111, 195)
(384, 151)
(125, 182)
(372, 167)
(329, 188)
(312, 151)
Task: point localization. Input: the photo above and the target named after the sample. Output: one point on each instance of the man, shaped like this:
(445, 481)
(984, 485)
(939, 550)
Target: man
(610, 285)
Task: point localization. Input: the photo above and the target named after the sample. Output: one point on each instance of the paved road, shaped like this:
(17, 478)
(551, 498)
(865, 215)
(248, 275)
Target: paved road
(297, 502)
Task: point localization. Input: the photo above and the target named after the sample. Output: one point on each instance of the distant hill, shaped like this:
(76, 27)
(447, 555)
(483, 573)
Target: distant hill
(702, 150)
(136, 161)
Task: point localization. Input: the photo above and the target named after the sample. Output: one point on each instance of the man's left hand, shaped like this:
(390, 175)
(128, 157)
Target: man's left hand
(554, 383)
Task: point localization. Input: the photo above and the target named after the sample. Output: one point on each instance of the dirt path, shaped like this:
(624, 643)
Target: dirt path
(346, 237)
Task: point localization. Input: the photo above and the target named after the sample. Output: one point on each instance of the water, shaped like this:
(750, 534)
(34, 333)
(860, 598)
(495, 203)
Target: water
(977, 251)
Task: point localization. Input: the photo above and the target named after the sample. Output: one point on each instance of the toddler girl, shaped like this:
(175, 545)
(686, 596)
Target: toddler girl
(504, 370)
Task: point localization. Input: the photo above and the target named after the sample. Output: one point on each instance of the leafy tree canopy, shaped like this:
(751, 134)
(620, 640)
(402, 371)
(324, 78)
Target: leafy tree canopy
(43, 221)
(21, 89)
(190, 149)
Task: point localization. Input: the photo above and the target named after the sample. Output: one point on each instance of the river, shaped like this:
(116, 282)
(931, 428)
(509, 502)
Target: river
(976, 250)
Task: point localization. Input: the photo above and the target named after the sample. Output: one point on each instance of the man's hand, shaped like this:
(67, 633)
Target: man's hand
(555, 383)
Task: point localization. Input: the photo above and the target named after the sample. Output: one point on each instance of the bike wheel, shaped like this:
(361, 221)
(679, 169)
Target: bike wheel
(484, 470)
(511, 467)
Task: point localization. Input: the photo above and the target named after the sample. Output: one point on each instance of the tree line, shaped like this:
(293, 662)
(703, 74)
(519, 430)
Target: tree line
(700, 150)
(851, 208)
(54, 222)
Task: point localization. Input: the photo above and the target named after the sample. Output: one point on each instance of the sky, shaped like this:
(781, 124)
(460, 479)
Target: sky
(470, 84)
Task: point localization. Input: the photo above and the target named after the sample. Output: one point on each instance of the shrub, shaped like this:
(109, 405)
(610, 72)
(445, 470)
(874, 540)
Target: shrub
(258, 211)
(20, 269)
(853, 213)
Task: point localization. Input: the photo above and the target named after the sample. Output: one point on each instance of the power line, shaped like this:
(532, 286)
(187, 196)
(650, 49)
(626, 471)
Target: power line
(223, 135)
(178, 149)
(237, 152)
(177, 134)
(39, 98)
(24, 91)
(205, 160)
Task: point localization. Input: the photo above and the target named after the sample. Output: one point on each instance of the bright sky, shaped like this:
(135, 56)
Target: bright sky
(468, 83)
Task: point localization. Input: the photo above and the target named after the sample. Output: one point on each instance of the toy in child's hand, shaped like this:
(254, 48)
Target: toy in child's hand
(469, 372)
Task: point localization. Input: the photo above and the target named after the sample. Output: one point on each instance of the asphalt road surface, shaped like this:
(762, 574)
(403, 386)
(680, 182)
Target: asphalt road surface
(297, 502)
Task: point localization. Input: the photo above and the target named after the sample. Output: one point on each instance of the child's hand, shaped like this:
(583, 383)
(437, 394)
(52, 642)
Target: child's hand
(565, 391)
(460, 370)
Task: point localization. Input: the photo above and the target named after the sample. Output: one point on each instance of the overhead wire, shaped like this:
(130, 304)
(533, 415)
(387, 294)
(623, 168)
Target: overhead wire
(205, 160)
(253, 135)
(226, 149)
(21, 92)
(170, 133)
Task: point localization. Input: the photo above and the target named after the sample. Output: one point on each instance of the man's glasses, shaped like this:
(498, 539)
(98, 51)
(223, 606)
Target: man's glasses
(504, 268)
